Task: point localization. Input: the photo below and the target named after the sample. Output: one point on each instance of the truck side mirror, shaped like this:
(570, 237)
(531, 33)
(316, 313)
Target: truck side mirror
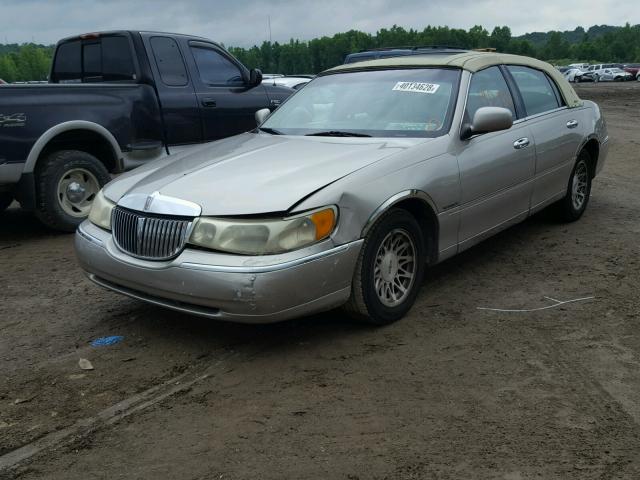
(255, 77)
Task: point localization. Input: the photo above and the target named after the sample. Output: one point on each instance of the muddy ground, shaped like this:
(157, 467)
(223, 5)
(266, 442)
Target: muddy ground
(452, 391)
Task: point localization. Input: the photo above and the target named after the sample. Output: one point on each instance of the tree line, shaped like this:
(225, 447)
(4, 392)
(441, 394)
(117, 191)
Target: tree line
(596, 45)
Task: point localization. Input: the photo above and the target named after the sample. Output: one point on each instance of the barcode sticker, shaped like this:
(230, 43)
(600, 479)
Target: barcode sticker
(418, 87)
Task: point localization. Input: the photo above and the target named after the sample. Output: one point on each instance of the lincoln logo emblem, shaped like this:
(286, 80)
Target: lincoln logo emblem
(147, 204)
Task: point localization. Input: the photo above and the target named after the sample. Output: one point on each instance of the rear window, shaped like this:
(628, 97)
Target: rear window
(105, 59)
(169, 61)
(68, 63)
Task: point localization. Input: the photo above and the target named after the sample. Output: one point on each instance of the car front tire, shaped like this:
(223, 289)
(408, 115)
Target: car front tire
(389, 270)
(67, 181)
(574, 203)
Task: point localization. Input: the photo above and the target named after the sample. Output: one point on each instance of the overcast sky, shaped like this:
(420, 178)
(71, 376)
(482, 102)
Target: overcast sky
(245, 22)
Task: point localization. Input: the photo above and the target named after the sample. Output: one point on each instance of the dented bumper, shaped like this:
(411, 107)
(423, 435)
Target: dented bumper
(226, 287)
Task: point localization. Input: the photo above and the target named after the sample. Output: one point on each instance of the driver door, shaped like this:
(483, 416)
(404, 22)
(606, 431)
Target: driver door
(227, 103)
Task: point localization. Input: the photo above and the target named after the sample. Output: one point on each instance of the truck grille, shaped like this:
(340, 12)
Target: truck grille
(149, 237)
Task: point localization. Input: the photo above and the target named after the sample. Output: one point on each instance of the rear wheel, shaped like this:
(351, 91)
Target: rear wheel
(67, 182)
(573, 205)
(389, 270)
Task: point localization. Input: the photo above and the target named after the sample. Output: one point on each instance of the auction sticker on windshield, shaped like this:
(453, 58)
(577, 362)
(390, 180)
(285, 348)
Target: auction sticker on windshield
(416, 87)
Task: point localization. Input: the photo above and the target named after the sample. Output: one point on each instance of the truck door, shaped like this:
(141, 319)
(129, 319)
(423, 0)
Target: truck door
(180, 110)
(227, 102)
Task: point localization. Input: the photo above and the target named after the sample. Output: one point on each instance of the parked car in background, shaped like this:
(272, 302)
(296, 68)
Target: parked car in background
(633, 69)
(562, 68)
(349, 190)
(117, 100)
(291, 81)
(581, 66)
(577, 75)
(611, 75)
(2, 82)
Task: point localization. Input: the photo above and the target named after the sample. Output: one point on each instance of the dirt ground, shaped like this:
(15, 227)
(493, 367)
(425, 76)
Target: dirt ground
(450, 392)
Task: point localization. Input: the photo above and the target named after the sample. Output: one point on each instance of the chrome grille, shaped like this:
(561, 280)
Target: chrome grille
(147, 236)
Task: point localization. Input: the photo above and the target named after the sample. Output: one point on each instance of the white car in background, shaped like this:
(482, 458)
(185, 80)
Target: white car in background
(577, 75)
(611, 75)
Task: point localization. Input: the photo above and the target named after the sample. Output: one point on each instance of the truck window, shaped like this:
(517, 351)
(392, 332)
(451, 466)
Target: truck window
(117, 59)
(169, 61)
(92, 62)
(68, 65)
(215, 69)
(103, 59)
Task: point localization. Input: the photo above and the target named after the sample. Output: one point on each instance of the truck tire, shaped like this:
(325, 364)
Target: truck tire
(5, 201)
(67, 181)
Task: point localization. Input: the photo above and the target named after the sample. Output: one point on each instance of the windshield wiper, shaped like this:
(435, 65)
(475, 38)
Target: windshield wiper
(272, 131)
(336, 133)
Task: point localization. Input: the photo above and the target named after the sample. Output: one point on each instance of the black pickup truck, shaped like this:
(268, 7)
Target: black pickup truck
(115, 100)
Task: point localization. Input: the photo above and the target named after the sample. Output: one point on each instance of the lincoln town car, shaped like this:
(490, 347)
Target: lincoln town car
(345, 194)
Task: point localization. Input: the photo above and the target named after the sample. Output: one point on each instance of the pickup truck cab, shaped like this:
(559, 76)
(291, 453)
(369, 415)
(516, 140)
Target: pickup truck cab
(116, 100)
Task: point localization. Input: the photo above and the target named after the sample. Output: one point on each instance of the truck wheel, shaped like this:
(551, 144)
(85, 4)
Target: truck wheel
(67, 181)
(5, 201)
(574, 203)
(389, 270)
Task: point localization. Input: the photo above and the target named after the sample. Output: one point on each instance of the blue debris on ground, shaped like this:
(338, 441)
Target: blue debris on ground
(105, 341)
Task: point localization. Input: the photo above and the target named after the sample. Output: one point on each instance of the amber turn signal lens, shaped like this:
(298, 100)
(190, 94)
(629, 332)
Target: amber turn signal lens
(325, 221)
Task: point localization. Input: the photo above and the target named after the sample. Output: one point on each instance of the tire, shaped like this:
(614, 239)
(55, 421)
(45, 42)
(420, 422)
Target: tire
(365, 304)
(5, 200)
(568, 209)
(66, 183)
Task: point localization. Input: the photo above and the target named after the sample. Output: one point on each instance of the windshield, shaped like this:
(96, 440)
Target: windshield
(381, 103)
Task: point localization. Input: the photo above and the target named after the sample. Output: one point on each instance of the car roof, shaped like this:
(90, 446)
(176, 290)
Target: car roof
(471, 61)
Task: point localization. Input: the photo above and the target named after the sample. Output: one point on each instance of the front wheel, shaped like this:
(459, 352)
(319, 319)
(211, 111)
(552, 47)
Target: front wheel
(389, 270)
(66, 184)
(574, 203)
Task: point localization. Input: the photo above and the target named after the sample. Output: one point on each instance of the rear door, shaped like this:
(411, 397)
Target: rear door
(176, 90)
(496, 168)
(227, 104)
(555, 129)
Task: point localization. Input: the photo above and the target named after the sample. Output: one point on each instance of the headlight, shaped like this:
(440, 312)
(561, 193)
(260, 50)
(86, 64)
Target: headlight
(100, 214)
(261, 237)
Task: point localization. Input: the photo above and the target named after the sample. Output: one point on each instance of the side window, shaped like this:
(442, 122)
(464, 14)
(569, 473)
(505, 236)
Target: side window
(169, 61)
(536, 90)
(215, 69)
(68, 63)
(488, 88)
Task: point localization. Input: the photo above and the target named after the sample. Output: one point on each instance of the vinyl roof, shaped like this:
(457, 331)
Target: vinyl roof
(471, 61)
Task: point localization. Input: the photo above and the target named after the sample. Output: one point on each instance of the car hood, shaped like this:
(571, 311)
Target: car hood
(256, 173)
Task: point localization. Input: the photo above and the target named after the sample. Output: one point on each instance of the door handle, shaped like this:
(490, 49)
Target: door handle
(208, 102)
(572, 124)
(521, 143)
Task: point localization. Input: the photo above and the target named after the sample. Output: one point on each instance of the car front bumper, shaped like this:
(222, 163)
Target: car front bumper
(222, 286)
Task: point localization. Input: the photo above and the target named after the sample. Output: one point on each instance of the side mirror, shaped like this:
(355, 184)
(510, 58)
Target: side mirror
(255, 77)
(486, 120)
(261, 115)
